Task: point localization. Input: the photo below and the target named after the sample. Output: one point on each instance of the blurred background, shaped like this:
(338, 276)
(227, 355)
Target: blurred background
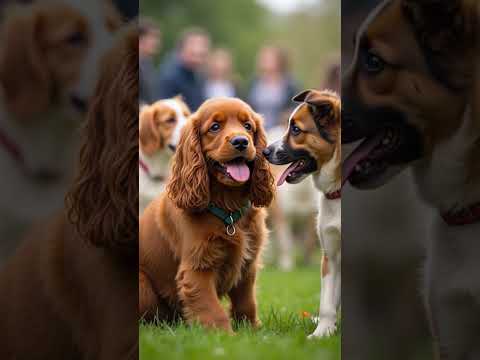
(308, 30)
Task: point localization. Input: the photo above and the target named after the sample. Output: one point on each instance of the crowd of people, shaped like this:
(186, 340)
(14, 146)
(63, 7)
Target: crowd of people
(198, 71)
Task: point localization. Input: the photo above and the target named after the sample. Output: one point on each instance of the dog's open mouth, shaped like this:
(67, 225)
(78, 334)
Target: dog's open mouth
(381, 156)
(295, 172)
(237, 169)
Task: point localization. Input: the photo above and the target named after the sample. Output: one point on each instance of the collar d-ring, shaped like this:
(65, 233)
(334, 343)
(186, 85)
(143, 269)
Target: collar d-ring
(231, 229)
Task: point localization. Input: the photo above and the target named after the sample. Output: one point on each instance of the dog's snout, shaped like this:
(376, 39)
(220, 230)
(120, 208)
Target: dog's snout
(240, 143)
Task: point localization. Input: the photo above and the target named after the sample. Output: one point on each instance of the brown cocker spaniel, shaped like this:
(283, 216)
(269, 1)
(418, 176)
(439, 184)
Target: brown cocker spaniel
(70, 291)
(202, 239)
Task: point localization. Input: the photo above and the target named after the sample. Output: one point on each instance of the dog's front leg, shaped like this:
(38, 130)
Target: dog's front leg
(455, 329)
(330, 294)
(198, 294)
(242, 296)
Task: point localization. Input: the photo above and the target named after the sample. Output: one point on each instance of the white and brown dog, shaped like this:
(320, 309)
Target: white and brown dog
(412, 95)
(312, 146)
(159, 132)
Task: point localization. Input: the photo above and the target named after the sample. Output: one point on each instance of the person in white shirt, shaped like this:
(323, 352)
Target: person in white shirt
(220, 75)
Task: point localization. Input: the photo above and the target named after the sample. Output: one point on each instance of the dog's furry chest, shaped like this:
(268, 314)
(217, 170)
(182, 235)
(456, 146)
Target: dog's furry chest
(236, 253)
(452, 263)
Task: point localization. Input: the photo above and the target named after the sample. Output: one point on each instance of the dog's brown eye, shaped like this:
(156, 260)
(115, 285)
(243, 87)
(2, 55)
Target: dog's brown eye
(373, 64)
(171, 120)
(215, 127)
(248, 126)
(295, 130)
(76, 38)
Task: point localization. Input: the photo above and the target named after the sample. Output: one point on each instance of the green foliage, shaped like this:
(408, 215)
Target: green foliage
(243, 26)
(282, 298)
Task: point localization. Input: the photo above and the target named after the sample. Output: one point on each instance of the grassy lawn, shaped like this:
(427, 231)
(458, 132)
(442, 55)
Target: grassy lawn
(283, 298)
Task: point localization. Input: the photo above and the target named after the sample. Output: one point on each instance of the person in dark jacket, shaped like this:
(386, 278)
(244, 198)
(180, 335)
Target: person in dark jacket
(181, 74)
(273, 88)
(148, 47)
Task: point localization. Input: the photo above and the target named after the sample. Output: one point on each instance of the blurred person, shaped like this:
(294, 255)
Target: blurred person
(332, 77)
(219, 75)
(149, 43)
(273, 87)
(181, 74)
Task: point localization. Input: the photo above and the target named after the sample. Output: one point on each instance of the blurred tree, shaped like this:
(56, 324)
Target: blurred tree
(243, 26)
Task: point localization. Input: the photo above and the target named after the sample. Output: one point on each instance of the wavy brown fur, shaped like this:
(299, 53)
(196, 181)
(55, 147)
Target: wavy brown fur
(103, 200)
(187, 260)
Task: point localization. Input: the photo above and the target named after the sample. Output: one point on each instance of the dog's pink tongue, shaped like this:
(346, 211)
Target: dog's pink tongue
(238, 171)
(287, 172)
(359, 154)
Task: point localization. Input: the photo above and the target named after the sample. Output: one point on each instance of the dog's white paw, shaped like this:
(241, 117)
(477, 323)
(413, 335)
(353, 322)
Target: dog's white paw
(325, 328)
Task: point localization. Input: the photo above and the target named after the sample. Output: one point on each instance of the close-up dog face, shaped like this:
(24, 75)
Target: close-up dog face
(222, 142)
(160, 125)
(392, 95)
(228, 141)
(311, 139)
(51, 53)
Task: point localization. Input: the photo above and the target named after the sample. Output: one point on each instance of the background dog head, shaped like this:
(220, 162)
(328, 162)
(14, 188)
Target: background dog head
(103, 200)
(313, 135)
(405, 91)
(50, 53)
(160, 124)
(222, 143)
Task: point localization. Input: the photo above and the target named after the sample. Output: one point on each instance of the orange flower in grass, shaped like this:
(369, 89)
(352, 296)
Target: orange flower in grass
(306, 314)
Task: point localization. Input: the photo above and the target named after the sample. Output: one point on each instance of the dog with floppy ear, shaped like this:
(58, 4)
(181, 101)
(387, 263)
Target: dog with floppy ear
(159, 131)
(50, 54)
(202, 239)
(312, 146)
(411, 94)
(70, 291)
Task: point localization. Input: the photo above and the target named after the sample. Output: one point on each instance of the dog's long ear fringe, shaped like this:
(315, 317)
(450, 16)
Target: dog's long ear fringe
(102, 203)
(189, 185)
(262, 188)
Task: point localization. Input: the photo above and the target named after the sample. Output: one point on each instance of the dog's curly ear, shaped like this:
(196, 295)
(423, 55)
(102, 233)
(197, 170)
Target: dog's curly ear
(103, 201)
(24, 72)
(262, 184)
(149, 135)
(189, 185)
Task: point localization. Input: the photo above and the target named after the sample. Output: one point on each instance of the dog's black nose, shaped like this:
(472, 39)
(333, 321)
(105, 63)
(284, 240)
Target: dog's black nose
(239, 142)
(267, 151)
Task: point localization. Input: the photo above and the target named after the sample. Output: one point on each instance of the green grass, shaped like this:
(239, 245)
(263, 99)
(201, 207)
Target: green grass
(282, 298)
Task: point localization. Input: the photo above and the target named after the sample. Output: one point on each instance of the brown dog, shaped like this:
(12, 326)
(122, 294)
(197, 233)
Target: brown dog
(412, 94)
(203, 239)
(70, 291)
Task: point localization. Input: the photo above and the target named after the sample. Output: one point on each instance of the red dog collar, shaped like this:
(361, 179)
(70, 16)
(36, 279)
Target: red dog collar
(466, 216)
(10, 147)
(144, 166)
(334, 195)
